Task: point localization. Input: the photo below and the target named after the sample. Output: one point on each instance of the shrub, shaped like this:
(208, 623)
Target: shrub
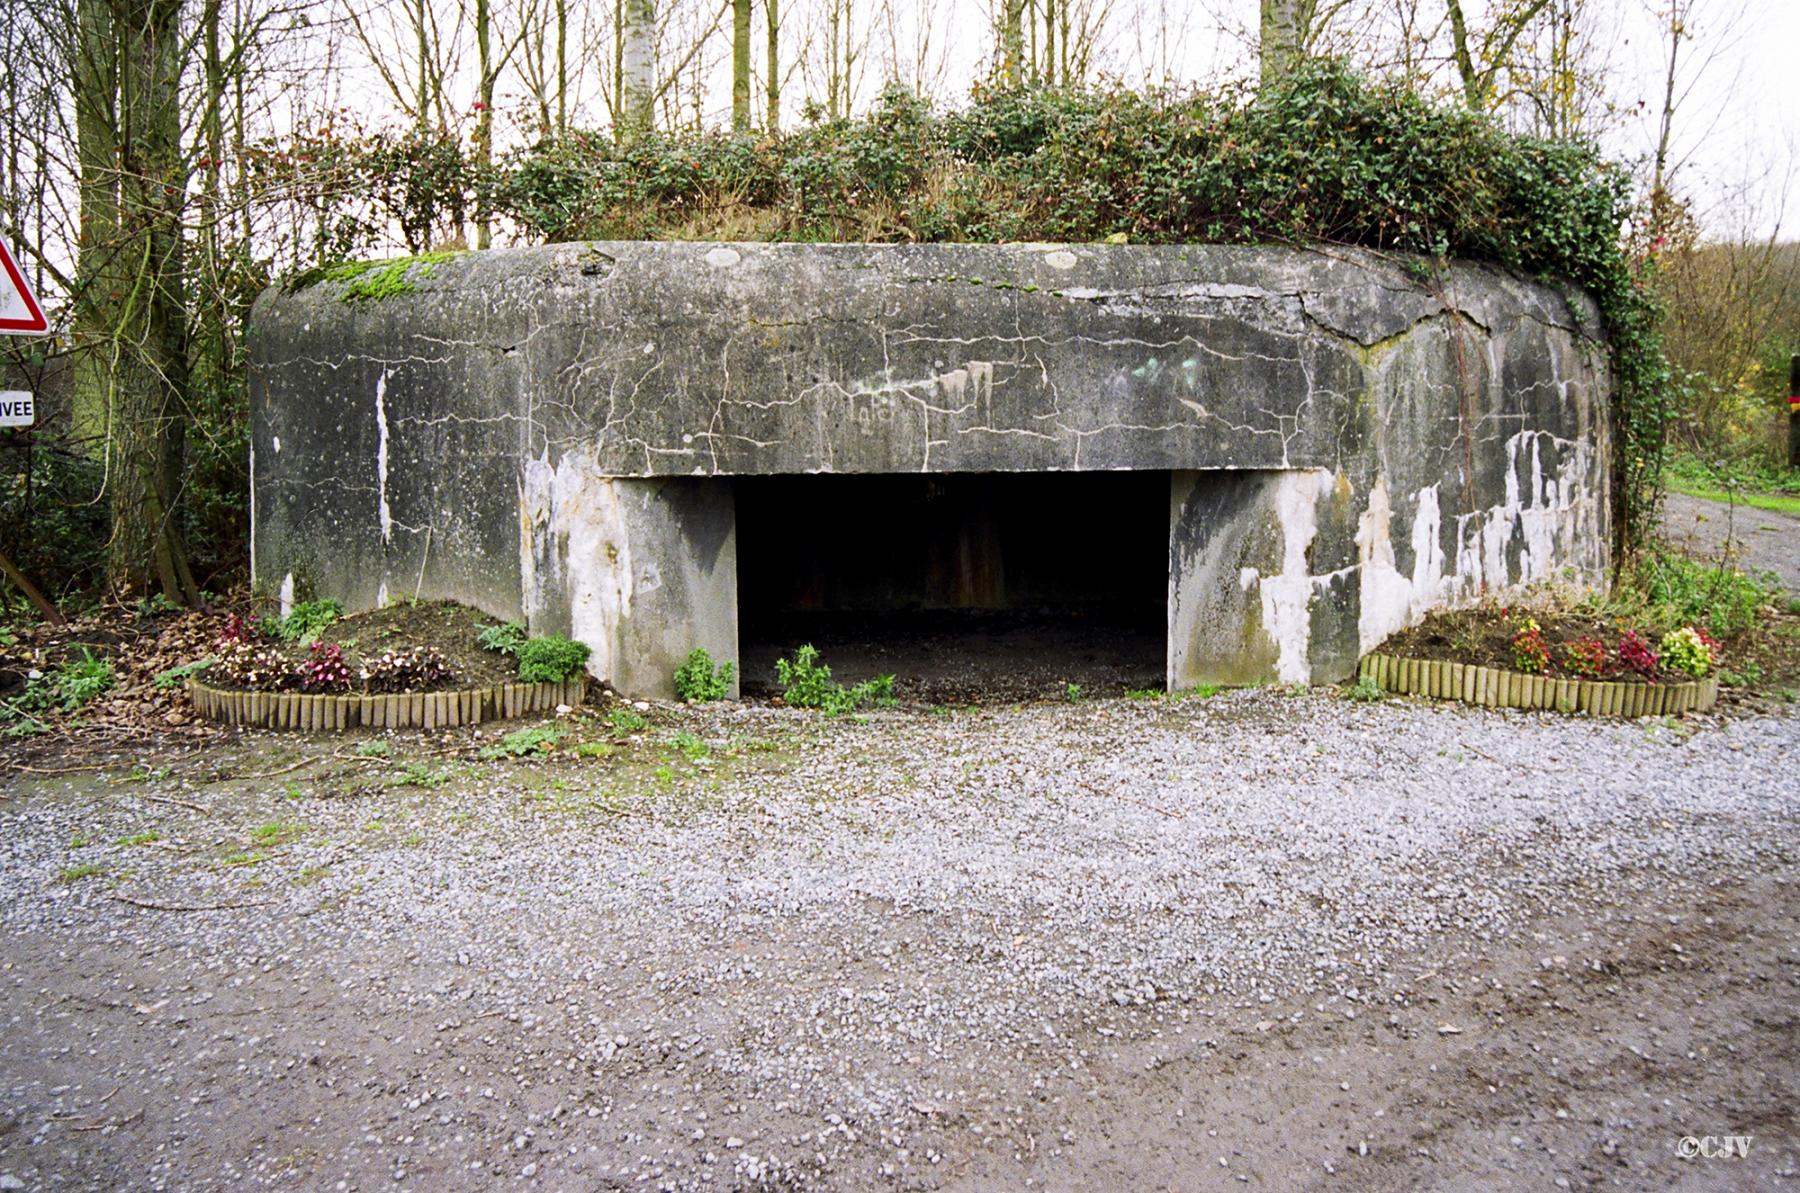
(410, 669)
(1531, 653)
(699, 680)
(551, 658)
(1688, 651)
(1680, 591)
(68, 687)
(323, 670)
(504, 638)
(307, 619)
(255, 668)
(1635, 656)
(1584, 657)
(242, 628)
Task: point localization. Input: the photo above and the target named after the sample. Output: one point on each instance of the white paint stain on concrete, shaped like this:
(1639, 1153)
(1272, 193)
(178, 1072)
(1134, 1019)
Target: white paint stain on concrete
(381, 459)
(572, 544)
(1287, 596)
(722, 258)
(286, 595)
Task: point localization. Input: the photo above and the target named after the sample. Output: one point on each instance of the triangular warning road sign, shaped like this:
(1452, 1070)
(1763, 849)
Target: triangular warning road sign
(20, 314)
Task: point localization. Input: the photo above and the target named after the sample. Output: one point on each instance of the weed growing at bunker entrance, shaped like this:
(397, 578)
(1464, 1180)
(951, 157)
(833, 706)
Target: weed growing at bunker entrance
(700, 681)
(807, 683)
(1366, 690)
(1072, 693)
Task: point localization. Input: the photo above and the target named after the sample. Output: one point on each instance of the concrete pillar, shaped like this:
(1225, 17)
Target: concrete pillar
(1241, 588)
(642, 570)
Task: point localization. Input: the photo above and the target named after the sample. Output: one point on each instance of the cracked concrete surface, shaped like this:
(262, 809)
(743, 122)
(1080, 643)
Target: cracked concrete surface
(402, 444)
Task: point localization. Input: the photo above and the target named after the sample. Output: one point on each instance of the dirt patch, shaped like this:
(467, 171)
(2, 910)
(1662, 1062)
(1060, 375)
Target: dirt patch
(445, 626)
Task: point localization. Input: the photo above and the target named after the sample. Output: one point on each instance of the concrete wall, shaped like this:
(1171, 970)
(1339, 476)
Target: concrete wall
(1348, 447)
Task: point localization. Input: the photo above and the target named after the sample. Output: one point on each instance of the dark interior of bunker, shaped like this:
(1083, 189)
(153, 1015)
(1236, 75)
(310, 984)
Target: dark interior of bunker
(965, 586)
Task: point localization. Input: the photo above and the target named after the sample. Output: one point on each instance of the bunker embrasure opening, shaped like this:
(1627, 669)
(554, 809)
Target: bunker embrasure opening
(962, 585)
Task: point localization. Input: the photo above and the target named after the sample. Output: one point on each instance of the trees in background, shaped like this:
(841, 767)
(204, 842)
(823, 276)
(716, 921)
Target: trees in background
(163, 159)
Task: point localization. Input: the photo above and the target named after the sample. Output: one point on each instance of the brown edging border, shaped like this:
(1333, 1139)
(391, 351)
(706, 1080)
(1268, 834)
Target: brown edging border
(1495, 687)
(406, 710)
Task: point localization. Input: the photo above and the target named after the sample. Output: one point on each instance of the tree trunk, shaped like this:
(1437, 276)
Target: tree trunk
(637, 80)
(1283, 36)
(774, 65)
(562, 66)
(740, 64)
(1012, 42)
(96, 81)
(1050, 43)
(484, 119)
(150, 345)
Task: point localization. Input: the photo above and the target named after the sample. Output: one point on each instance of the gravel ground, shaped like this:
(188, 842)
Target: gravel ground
(1760, 540)
(1263, 940)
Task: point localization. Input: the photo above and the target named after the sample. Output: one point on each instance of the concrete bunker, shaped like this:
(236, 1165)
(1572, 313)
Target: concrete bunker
(1265, 459)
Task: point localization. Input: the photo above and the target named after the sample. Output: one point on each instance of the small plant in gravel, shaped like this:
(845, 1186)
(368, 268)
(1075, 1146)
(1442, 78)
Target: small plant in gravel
(625, 720)
(1584, 657)
(807, 683)
(407, 669)
(1531, 654)
(1365, 690)
(323, 669)
(417, 774)
(1072, 693)
(691, 746)
(699, 680)
(1689, 651)
(551, 658)
(77, 873)
(307, 620)
(539, 739)
(505, 638)
(145, 838)
(1635, 656)
(375, 747)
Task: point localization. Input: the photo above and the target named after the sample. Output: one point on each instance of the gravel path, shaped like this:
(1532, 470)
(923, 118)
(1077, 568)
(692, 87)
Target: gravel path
(1056, 946)
(1761, 540)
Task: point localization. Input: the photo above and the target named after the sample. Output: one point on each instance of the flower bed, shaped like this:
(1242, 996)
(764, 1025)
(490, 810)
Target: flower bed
(1497, 687)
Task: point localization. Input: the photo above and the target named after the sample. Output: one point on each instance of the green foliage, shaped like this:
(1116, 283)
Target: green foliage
(156, 605)
(624, 720)
(505, 638)
(307, 620)
(551, 658)
(1672, 590)
(177, 676)
(374, 747)
(73, 684)
(1686, 650)
(697, 679)
(807, 683)
(539, 739)
(1072, 693)
(77, 873)
(691, 745)
(1365, 690)
(417, 774)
